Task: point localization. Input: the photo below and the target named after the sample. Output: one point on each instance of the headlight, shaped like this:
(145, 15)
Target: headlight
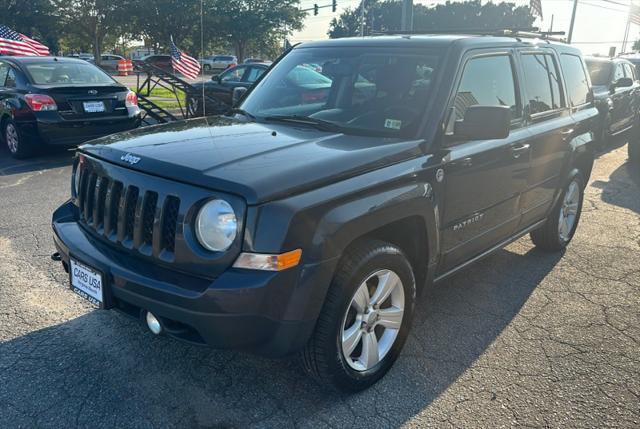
(216, 225)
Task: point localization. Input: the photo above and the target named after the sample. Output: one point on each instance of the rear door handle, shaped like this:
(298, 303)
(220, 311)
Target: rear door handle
(566, 134)
(518, 149)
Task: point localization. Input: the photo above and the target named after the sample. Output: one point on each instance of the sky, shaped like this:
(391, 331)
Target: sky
(600, 24)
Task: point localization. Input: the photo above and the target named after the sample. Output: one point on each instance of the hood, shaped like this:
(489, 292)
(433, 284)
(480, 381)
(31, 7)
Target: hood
(260, 162)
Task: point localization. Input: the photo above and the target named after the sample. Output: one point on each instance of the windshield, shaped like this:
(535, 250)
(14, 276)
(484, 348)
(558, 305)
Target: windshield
(370, 91)
(600, 72)
(59, 73)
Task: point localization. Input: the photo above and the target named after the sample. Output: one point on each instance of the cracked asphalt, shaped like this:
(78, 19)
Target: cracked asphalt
(521, 339)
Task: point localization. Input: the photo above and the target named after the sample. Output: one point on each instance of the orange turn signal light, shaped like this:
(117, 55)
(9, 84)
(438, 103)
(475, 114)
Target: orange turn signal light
(265, 262)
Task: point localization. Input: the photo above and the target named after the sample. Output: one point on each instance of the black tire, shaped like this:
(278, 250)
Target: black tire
(323, 356)
(548, 237)
(634, 151)
(604, 135)
(19, 147)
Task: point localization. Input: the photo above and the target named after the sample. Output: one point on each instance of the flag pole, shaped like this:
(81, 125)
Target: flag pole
(204, 105)
(573, 21)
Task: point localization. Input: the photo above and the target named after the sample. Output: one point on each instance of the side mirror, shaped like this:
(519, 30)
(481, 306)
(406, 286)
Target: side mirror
(483, 123)
(238, 93)
(623, 82)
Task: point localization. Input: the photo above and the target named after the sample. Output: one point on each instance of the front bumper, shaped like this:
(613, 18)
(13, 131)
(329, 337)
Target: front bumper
(53, 130)
(267, 313)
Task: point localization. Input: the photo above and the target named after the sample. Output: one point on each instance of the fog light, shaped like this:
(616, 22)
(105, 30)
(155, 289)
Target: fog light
(153, 323)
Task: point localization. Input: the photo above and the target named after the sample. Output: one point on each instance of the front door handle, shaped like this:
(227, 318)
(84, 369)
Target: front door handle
(518, 149)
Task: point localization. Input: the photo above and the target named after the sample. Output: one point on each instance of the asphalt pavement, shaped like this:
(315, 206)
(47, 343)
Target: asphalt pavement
(523, 338)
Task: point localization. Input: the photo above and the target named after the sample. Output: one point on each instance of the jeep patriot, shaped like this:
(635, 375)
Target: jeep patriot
(352, 176)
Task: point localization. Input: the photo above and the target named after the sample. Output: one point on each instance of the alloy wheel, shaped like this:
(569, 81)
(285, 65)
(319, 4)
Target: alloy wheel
(569, 211)
(373, 320)
(11, 136)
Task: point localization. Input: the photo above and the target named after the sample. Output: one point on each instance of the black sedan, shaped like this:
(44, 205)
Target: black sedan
(60, 101)
(617, 95)
(221, 87)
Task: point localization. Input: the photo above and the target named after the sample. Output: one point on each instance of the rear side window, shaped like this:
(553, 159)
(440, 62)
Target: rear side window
(487, 81)
(541, 83)
(4, 69)
(11, 79)
(576, 79)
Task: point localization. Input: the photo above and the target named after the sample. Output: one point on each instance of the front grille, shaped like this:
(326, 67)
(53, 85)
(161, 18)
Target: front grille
(126, 214)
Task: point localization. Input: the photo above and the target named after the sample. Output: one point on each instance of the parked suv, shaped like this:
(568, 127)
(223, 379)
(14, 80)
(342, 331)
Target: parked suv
(310, 220)
(617, 96)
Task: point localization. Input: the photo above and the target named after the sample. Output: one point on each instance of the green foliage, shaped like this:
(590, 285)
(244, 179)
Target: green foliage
(243, 22)
(386, 15)
(636, 46)
(33, 18)
(94, 22)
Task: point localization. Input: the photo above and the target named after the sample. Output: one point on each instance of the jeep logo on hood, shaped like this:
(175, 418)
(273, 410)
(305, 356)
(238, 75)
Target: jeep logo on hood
(131, 159)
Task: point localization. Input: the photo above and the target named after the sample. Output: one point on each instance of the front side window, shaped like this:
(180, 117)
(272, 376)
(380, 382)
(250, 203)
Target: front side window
(377, 91)
(628, 71)
(576, 78)
(233, 75)
(487, 81)
(619, 74)
(60, 73)
(542, 83)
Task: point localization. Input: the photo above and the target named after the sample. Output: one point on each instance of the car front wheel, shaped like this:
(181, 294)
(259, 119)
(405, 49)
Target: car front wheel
(561, 225)
(365, 319)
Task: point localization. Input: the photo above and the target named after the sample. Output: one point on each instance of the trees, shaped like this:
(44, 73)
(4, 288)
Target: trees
(245, 21)
(33, 18)
(385, 15)
(95, 21)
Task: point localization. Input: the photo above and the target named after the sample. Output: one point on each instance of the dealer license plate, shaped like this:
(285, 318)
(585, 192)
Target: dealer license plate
(93, 106)
(87, 282)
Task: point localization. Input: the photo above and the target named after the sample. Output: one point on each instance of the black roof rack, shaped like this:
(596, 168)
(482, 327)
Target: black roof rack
(525, 33)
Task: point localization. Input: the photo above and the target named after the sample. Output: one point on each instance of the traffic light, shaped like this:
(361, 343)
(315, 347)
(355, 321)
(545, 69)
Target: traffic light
(315, 9)
(334, 5)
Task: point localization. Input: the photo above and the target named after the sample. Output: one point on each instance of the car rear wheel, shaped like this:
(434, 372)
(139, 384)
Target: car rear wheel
(561, 225)
(365, 319)
(18, 146)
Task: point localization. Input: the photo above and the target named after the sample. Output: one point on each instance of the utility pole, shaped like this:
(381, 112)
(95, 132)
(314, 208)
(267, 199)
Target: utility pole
(407, 15)
(362, 18)
(573, 20)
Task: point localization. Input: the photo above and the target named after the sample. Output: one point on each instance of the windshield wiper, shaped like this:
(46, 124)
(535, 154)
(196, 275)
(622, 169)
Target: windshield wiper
(306, 120)
(243, 112)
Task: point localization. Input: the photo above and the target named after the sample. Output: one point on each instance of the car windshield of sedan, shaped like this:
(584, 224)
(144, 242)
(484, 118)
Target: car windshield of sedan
(60, 73)
(600, 72)
(355, 90)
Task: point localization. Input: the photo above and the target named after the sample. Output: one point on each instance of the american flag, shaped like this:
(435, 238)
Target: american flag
(183, 63)
(536, 7)
(14, 43)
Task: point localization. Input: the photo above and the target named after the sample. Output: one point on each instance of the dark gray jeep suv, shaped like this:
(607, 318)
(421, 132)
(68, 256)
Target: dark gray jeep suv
(308, 221)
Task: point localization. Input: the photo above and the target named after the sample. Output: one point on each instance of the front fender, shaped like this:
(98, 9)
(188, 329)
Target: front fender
(323, 222)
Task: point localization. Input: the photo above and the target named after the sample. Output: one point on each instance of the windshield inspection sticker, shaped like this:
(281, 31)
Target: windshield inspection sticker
(394, 124)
